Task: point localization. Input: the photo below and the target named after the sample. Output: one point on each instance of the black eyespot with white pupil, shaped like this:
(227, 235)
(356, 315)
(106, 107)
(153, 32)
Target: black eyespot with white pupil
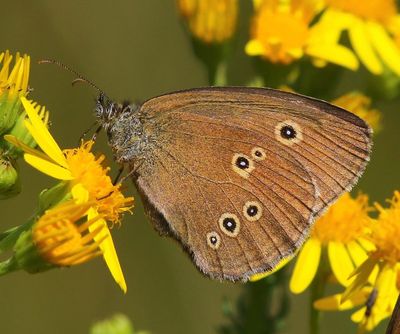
(252, 210)
(229, 224)
(242, 163)
(288, 132)
(257, 153)
(213, 239)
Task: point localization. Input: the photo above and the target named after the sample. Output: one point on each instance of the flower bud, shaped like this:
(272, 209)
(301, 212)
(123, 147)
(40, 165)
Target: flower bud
(20, 132)
(9, 179)
(13, 85)
(210, 21)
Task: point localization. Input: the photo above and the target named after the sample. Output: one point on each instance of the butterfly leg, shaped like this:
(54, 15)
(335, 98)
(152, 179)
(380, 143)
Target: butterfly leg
(85, 133)
(94, 137)
(118, 176)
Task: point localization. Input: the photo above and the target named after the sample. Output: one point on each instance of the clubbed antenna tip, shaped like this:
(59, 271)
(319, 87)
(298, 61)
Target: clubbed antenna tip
(79, 78)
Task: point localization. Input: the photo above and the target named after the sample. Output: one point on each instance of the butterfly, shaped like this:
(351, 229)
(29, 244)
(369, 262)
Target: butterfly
(236, 175)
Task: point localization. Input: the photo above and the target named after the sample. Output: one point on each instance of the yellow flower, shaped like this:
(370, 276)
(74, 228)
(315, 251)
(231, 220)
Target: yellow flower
(283, 32)
(208, 20)
(16, 82)
(12, 85)
(380, 293)
(375, 303)
(375, 300)
(360, 105)
(87, 179)
(340, 232)
(63, 237)
(369, 24)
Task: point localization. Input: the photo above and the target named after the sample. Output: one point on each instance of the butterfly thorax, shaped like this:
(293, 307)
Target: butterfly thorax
(124, 127)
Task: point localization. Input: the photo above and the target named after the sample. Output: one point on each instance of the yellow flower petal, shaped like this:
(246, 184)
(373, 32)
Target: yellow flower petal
(332, 23)
(386, 285)
(42, 135)
(27, 149)
(280, 265)
(384, 46)
(361, 43)
(336, 54)
(358, 316)
(257, 3)
(48, 168)
(333, 303)
(357, 253)
(296, 53)
(254, 48)
(108, 249)
(362, 274)
(341, 263)
(80, 193)
(366, 244)
(306, 266)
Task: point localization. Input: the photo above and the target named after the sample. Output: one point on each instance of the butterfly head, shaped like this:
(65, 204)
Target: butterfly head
(107, 111)
(123, 126)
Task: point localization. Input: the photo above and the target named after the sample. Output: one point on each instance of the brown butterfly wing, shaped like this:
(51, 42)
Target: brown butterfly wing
(229, 180)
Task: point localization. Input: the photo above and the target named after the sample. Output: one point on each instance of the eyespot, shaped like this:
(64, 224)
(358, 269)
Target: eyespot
(252, 210)
(213, 240)
(288, 133)
(258, 153)
(242, 164)
(229, 224)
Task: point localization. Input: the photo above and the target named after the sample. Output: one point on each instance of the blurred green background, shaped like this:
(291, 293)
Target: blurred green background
(133, 50)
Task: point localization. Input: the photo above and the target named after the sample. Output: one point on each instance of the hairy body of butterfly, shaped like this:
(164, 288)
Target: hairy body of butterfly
(237, 175)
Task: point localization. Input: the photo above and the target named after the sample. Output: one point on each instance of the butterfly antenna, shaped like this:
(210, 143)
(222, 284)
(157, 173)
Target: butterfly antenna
(79, 78)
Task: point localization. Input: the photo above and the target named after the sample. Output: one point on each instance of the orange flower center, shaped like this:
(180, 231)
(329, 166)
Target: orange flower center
(88, 171)
(385, 232)
(282, 35)
(345, 221)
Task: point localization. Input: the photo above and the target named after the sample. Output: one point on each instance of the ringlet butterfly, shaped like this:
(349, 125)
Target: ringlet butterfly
(236, 175)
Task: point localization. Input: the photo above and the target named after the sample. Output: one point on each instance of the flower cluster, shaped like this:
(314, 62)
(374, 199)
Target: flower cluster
(73, 229)
(285, 31)
(13, 85)
(301, 37)
(364, 258)
(314, 28)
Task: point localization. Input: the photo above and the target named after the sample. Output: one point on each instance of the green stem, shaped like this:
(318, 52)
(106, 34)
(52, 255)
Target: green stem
(10, 237)
(317, 291)
(262, 307)
(217, 74)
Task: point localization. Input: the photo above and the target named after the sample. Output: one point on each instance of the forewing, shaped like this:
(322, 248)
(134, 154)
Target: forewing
(222, 154)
